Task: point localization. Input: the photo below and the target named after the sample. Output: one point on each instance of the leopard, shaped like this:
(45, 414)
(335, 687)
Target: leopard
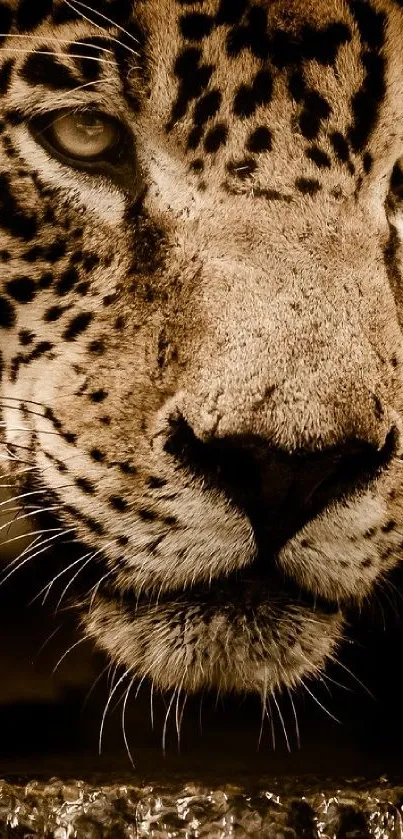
(201, 312)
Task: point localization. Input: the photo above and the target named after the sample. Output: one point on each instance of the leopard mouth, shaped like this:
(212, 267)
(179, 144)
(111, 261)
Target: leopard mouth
(242, 590)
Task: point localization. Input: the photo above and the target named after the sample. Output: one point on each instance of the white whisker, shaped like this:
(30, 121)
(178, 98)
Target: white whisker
(107, 19)
(125, 740)
(295, 718)
(17, 51)
(113, 691)
(319, 703)
(69, 650)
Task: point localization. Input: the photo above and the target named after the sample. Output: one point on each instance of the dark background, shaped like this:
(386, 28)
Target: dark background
(50, 726)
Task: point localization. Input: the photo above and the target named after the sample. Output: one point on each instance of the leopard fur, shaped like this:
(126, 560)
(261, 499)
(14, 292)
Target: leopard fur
(202, 339)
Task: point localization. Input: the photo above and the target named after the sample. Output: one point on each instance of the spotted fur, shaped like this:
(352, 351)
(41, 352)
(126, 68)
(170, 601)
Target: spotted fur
(202, 340)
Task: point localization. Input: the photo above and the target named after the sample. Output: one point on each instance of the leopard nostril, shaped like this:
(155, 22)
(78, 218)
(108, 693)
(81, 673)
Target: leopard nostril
(278, 490)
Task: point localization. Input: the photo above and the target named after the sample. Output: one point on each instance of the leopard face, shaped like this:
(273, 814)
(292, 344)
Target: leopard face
(200, 318)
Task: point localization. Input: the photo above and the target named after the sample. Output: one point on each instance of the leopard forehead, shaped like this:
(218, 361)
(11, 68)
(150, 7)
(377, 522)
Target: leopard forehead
(238, 272)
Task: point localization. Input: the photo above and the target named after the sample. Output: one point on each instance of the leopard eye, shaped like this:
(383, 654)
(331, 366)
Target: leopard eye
(81, 136)
(92, 142)
(84, 135)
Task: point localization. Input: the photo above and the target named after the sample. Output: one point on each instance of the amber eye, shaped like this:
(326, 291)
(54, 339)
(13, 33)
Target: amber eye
(84, 135)
(90, 141)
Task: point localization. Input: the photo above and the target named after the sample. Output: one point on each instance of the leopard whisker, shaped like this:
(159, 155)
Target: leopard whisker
(281, 718)
(88, 558)
(111, 695)
(264, 701)
(49, 585)
(34, 512)
(46, 642)
(125, 740)
(26, 560)
(315, 699)
(352, 675)
(68, 651)
(164, 729)
(103, 28)
(17, 51)
(297, 732)
(36, 38)
(269, 716)
(95, 683)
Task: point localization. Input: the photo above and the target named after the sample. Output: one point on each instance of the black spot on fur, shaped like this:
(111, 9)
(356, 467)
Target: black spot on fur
(98, 395)
(45, 280)
(97, 455)
(242, 169)
(13, 219)
(55, 251)
(367, 162)
(67, 281)
(147, 515)
(297, 86)
(77, 326)
(83, 288)
(97, 347)
(7, 313)
(30, 15)
(15, 116)
(5, 76)
(366, 563)
(41, 69)
(340, 146)
(91, 53)
(193, 80)
(6, 19)
(197, 165)
(248, 97)
(33, 254)
(207, 107)
(366, 102)
(370, 22)
(370, 533)
(322, 45)
(156, 483)
(170, 521)
(54, 313)
(127, 468)
(21, 289)
(316, 108)
(93, 525)
(250, 35)
(118, 503)
(85, 485)
(260, 140)
(215, 138)
(230, 11)
(195, 26)
(26, 337)
(308, 186)
(388, 526)
(378, 408)
(319, 157)
(90, 261)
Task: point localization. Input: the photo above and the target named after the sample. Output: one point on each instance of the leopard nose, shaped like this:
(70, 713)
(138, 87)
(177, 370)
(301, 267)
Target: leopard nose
(280, 491)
